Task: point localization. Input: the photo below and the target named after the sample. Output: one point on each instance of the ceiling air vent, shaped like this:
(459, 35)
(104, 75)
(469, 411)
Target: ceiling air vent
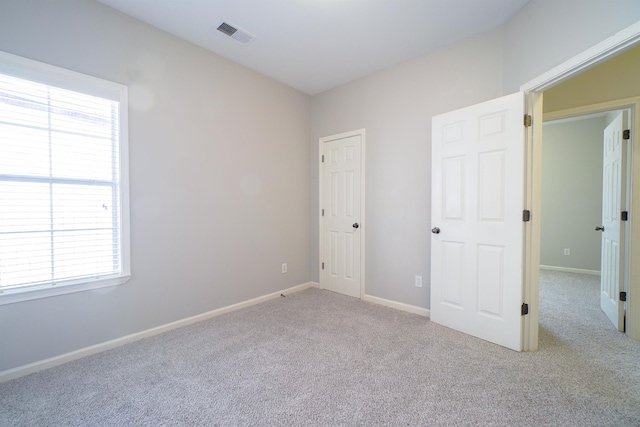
(235, 33)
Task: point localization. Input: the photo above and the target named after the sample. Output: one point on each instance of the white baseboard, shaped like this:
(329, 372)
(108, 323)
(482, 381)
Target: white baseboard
(570, 270)
(398, 305)
(30, 368)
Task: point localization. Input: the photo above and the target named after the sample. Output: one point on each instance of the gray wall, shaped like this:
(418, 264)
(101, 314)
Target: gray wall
(219, 178)
(572, 193)
(545, 33)
(396, 105)
(224, 161)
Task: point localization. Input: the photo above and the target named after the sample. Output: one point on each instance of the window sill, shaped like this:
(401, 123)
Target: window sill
(19, 295)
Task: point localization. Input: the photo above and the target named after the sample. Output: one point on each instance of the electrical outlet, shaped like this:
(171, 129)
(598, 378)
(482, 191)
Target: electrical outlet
(418, 281)
(284, 268)
(567, 251)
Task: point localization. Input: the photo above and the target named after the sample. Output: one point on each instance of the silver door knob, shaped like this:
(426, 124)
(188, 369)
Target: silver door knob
(599, 228)
(435, 230)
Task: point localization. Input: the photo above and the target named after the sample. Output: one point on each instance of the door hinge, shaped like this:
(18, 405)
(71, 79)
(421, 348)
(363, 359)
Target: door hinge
(524, 310)
(624, 216)
(623, 296)
(626, 134)
(323, 265)
(526, 215)
(322, 212)
(323, 158)
(527, 120)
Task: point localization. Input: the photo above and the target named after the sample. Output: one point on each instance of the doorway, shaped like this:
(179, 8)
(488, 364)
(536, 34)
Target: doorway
(576, 175)
(598, 54)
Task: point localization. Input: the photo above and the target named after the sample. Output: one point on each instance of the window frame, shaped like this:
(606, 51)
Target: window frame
(51, 75)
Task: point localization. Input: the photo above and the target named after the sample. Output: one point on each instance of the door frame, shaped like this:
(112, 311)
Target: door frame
(601, 52)
(363, 223)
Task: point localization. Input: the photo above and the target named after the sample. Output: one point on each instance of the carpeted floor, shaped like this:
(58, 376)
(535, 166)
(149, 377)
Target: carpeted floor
(323, 359)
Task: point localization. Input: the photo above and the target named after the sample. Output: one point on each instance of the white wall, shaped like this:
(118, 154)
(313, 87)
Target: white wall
(572, 193)
(219, 178)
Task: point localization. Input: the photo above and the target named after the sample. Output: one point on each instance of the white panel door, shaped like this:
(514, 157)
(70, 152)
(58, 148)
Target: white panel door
(476, 213)
(613, 232)
(341, 215)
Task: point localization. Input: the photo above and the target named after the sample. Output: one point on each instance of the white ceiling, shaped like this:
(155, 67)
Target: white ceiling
(315, 45)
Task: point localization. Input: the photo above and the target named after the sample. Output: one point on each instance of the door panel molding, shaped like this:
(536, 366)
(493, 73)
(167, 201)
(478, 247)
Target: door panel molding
(360, 221)
(477, 201)
(614, 201)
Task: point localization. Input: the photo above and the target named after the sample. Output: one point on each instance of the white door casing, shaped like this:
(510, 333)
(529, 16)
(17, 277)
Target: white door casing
(613, 236)
(477, 205)
(342, 213)
(606, 49)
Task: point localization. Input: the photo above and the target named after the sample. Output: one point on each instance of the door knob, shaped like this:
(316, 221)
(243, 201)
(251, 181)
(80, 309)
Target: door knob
(356, 225)
(435, 230)
(600, 228)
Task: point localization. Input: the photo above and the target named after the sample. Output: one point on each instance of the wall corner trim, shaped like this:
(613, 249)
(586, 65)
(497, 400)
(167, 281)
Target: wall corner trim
(51, 362)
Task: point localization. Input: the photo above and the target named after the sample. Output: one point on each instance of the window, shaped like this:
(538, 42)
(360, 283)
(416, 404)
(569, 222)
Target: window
(63, 181)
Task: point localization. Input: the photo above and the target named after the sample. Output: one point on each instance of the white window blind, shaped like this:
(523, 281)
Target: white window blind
(61, 212)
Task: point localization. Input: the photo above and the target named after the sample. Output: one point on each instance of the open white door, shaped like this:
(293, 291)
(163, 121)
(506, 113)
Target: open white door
(613, 232)
(477, 213)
